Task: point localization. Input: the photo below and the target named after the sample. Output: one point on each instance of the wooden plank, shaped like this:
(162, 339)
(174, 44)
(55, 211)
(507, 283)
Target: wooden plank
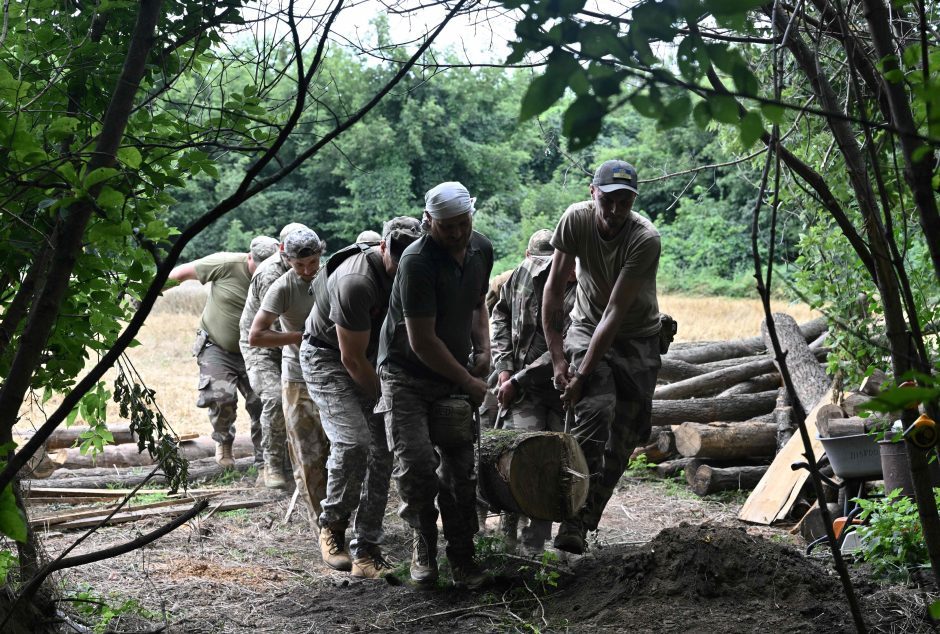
(776, 492)
(61, 518)
(123, 518)
(62, 492)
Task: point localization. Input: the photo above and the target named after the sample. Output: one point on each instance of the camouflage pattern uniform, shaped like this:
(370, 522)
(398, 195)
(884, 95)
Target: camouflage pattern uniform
(308, 446)
(359, 468)
(519, 348)
(264, 366)
(221, 376)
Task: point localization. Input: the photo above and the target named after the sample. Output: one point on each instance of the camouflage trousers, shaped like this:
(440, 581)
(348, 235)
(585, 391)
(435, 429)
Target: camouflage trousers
(423, 471)
(221, 376)
(359, 469)
(264, 374)
(615, 412)
(538, 409)
(307, 445)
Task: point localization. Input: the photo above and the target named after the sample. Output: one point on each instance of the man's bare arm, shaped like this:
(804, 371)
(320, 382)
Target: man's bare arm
(553, 316)
(184, 272)
(434, 354)
(480, 336)
(352, 347)
(261, 335)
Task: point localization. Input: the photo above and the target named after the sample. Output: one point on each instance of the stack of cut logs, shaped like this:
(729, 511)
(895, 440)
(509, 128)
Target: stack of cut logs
(720, 413)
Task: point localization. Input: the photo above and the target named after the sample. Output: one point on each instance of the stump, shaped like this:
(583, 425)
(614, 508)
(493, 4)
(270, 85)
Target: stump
(542, 475)
(713, 479)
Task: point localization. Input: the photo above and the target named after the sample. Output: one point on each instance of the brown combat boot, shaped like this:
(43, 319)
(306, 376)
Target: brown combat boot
(371, 565)
(468, 574)
(223, 455)
(333, 548)
(424, 558)
(274, 474)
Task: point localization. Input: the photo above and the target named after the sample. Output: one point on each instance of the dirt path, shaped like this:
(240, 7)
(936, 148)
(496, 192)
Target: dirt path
(248, 571)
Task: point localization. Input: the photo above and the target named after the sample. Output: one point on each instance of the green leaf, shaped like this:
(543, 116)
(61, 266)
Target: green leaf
(724, 109)
(599, 40)
(110, 199)
(702, 114)
(772, 112)
(644, 105)
(751, 128)
(897, 398)
(12, 519)
(99, 175)
(130, 156)
(62, 127)
(581, 122)
(744, 80)
(895, 76)
(919, 153)
(935, 610)
(549, 87)
(676, 112)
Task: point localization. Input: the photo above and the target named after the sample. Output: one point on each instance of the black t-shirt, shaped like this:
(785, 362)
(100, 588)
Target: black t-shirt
(430, 283)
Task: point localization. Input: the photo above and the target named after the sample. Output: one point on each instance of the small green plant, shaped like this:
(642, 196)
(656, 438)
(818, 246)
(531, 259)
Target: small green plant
(640, 465)
(8, 561)
(544, 570)
(149, 498)
(891, 536)
(103, 613)
(234, 514)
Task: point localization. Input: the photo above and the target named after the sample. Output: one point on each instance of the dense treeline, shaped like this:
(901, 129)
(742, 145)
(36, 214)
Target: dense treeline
(462, 124)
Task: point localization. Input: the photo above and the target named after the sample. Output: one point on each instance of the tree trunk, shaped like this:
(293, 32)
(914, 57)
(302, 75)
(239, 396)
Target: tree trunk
(100, 478)
(65, 438)
(714, 381)
(712, 479)
(666, 441)
(718, 350)
(671, 468)
(541, 474)
(809, 379)
(706, 410)
(726, 441)
(762, 383)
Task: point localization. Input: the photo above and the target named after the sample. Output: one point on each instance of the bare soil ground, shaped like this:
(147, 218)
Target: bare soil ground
(663, 561)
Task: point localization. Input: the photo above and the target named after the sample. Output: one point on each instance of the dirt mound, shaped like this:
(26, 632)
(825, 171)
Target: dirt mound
(702, 578)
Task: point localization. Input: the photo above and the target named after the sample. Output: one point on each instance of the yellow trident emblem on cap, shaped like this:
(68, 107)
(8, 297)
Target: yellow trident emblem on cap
(621, 173)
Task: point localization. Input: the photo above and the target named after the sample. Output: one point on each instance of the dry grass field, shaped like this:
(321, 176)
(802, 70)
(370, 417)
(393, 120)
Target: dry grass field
(163, 359)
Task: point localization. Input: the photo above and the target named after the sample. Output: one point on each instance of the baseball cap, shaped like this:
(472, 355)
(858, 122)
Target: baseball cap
(290, 228)
(369, 236)
(448, 200)
(400, 232)
(262, 247)
(302, 243)
(614, 175)
(541, 243)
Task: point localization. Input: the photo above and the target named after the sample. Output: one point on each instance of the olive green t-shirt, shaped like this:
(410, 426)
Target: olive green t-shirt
(289, 297)
(633, 252)
(230, 278)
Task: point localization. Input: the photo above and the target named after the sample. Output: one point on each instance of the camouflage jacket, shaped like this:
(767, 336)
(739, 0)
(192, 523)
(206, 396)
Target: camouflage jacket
(518, 342)
(268, 271)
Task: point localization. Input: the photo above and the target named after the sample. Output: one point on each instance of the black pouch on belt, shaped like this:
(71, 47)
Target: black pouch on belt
(667, 332)
(451, 423)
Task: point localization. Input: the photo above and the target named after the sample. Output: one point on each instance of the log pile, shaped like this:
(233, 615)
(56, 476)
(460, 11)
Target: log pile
(720, 414)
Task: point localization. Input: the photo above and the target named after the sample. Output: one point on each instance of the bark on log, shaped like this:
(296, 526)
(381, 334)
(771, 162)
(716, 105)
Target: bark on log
(825, 414)
(652, 453)
(100, 478)
(666, 441)
(128, 455)
(871, 385)
(762, 383)
(715, 351)
(676, 370)
(671, 468)
(726, 441)
(541, 474)
(713, 479)
(854, 402)
(809, 379)
(66, 437)
(705, 410)
(783, 418)
(714, 381)
(695, 464)
(853, 426)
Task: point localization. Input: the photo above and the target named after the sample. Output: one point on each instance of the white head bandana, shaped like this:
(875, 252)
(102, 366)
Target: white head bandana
(448, 200)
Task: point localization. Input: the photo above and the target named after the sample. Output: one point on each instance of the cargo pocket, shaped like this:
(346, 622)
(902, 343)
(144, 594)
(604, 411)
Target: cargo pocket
(204, 387)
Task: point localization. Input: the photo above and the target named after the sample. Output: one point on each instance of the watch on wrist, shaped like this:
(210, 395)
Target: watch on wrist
(514, 381)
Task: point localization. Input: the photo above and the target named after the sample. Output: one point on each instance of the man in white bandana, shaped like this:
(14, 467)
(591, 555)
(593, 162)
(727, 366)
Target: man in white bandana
(435, 343)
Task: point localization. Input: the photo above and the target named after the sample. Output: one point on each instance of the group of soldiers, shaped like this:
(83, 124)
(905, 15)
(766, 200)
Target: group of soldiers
(344, 367)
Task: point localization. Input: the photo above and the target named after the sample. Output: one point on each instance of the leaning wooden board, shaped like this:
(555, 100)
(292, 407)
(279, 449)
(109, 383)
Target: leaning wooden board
(776, 492)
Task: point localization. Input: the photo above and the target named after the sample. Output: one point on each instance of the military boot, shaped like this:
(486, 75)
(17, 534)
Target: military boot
(223, 455)
(424, 558)
(468, 574)
(274, 474)
(371, 564)
(333, 547)
(570, 537)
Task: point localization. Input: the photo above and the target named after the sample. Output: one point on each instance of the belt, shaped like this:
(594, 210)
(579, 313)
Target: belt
(318, 343)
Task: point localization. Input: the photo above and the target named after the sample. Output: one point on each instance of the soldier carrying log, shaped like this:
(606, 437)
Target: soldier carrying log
(606, 364)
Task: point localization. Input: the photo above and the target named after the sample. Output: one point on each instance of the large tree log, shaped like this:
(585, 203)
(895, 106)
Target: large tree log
(694, 464)
(128, 455)
(665, 441)
(715, 351)
(712, 479)
(671, 468)
(66, 437)
(762, 383)
(99, 478)
(726, 441)
(809, 379)
(706, 410)
(541, 474)
(714, 381)
(652, 453)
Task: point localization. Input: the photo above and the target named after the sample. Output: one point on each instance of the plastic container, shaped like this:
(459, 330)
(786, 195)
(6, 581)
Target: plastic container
(855, 457)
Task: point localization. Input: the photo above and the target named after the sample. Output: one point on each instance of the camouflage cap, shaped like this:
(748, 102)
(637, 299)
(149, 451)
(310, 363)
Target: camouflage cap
(399, 232)
(290, 228)
(262, 247)
(541, 243)
(369, 236)
(302, 243)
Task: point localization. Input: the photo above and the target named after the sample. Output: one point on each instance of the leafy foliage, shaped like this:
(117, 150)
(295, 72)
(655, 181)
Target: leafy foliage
(891, 537)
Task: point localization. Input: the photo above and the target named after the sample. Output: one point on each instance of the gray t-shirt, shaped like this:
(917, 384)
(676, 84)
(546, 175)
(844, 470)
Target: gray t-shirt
(265, 275)
(430, 283)
(289, 297)
(358, 294)
(633, 252)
